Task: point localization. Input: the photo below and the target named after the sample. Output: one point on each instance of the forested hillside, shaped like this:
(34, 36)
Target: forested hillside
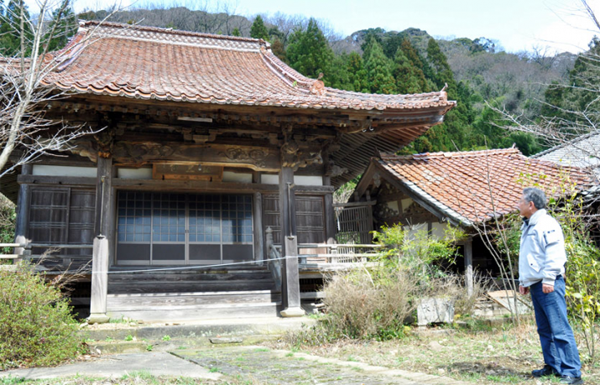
(477, 75)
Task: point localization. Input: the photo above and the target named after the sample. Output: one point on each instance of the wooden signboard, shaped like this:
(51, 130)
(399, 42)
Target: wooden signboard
(186, 171)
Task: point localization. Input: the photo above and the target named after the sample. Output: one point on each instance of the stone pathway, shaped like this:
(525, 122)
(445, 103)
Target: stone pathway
(218, 363)
(284, 367)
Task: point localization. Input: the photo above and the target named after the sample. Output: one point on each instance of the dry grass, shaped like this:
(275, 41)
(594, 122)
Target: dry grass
(482, 354)
(360, 306)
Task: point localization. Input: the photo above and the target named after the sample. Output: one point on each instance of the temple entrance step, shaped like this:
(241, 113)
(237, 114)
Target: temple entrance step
(189, 281)
(153, 287)
(194, 306)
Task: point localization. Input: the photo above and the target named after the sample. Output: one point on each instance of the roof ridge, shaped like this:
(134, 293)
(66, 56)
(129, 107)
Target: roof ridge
(566, 144)
(108, 24)
(457, 154)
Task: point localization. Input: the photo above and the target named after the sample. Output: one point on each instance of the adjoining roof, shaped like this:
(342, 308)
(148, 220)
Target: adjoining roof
(473, 186)
(164, 64)
(580, 152)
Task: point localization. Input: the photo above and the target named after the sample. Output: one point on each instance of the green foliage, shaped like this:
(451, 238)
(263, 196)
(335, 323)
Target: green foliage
(374, 302)
(279, 50)
(379, 69)
(309, 52)
(36, 325)
(7, 223)
(64, 24)
(417, 250)
(574, 105)
(15, 33)
(259, 29)
(236, 32)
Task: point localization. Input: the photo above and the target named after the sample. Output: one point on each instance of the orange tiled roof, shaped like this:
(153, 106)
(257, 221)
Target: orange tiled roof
(458, 184)
(156, 63)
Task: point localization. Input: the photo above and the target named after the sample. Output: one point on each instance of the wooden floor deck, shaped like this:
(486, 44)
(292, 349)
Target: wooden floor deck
(180, 295)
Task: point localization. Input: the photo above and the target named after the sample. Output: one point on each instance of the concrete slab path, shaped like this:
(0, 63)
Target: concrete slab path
(118, 365)
(256, 363)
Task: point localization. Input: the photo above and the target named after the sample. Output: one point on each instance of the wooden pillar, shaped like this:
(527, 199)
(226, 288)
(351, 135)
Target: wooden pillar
(104, 240)
(291, 281)
(99, 281)
(287, 208)
(330, 227)
(104, 196)
(469, 266)
(258, 229)
(23, 202)
(291, 276)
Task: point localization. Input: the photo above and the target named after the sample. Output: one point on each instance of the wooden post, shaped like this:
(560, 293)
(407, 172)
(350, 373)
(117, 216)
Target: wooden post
(103, 195)
(286, 203)
(105, 203)
(23, 202)
(99, 281)
(330, 228)
(258, 229)
(289, 248)
(469, 266)
(291, 281)
(269, 241)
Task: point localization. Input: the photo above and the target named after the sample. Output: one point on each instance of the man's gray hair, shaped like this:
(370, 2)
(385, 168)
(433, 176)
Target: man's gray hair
(535, 195)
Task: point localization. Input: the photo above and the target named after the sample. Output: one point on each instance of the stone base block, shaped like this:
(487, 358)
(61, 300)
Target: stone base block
(293, 312)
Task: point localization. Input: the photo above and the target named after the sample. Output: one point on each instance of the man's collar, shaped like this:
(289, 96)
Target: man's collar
(533, 220)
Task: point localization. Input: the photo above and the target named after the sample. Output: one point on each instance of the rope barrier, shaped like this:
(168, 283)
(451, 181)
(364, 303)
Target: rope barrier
(202, 267)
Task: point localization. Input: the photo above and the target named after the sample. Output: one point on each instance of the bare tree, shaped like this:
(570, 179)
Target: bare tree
(24, 97)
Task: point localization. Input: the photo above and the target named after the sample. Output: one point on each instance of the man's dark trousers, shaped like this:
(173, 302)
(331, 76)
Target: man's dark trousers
(556, 335)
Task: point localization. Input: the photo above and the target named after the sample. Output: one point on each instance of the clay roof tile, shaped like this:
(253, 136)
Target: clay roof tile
(160, 63)
(469, 186)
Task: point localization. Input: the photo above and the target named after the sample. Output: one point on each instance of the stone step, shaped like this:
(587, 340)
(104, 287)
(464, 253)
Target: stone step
(195, 312)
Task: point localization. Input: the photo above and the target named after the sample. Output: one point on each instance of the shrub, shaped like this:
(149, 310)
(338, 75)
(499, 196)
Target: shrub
(36, 325)
(363, 304)
(7, 223)
(375, 302)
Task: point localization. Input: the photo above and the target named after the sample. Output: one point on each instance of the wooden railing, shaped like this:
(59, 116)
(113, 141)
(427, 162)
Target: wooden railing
(25, 246)
(336, 253)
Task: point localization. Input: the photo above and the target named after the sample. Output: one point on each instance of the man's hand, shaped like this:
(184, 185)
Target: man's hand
(547, 288)
(524, 290)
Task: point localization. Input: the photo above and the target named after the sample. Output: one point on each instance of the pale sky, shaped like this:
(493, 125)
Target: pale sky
(516, 24)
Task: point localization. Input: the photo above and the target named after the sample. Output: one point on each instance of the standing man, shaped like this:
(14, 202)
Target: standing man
(542, 260)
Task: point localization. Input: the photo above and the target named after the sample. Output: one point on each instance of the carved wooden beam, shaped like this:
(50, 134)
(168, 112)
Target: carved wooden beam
(254, 157)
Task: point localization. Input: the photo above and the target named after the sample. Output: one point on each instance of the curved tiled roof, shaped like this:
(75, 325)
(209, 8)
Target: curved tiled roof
(163, 64)
(471, 186)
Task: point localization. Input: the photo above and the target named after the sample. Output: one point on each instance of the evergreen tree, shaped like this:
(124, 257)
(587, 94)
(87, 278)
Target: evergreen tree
(62, 27)
(409, 78)
(378, 68)
(309, 52)
(339, 76)
(577, 102)
(259, 30)
(12, 21)
(442, 72)
(236, 32)
(357, 73)
(279, 50)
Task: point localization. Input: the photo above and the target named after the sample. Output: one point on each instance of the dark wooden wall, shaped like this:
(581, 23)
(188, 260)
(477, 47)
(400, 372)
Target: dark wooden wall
(62, 215)
(310, 218)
